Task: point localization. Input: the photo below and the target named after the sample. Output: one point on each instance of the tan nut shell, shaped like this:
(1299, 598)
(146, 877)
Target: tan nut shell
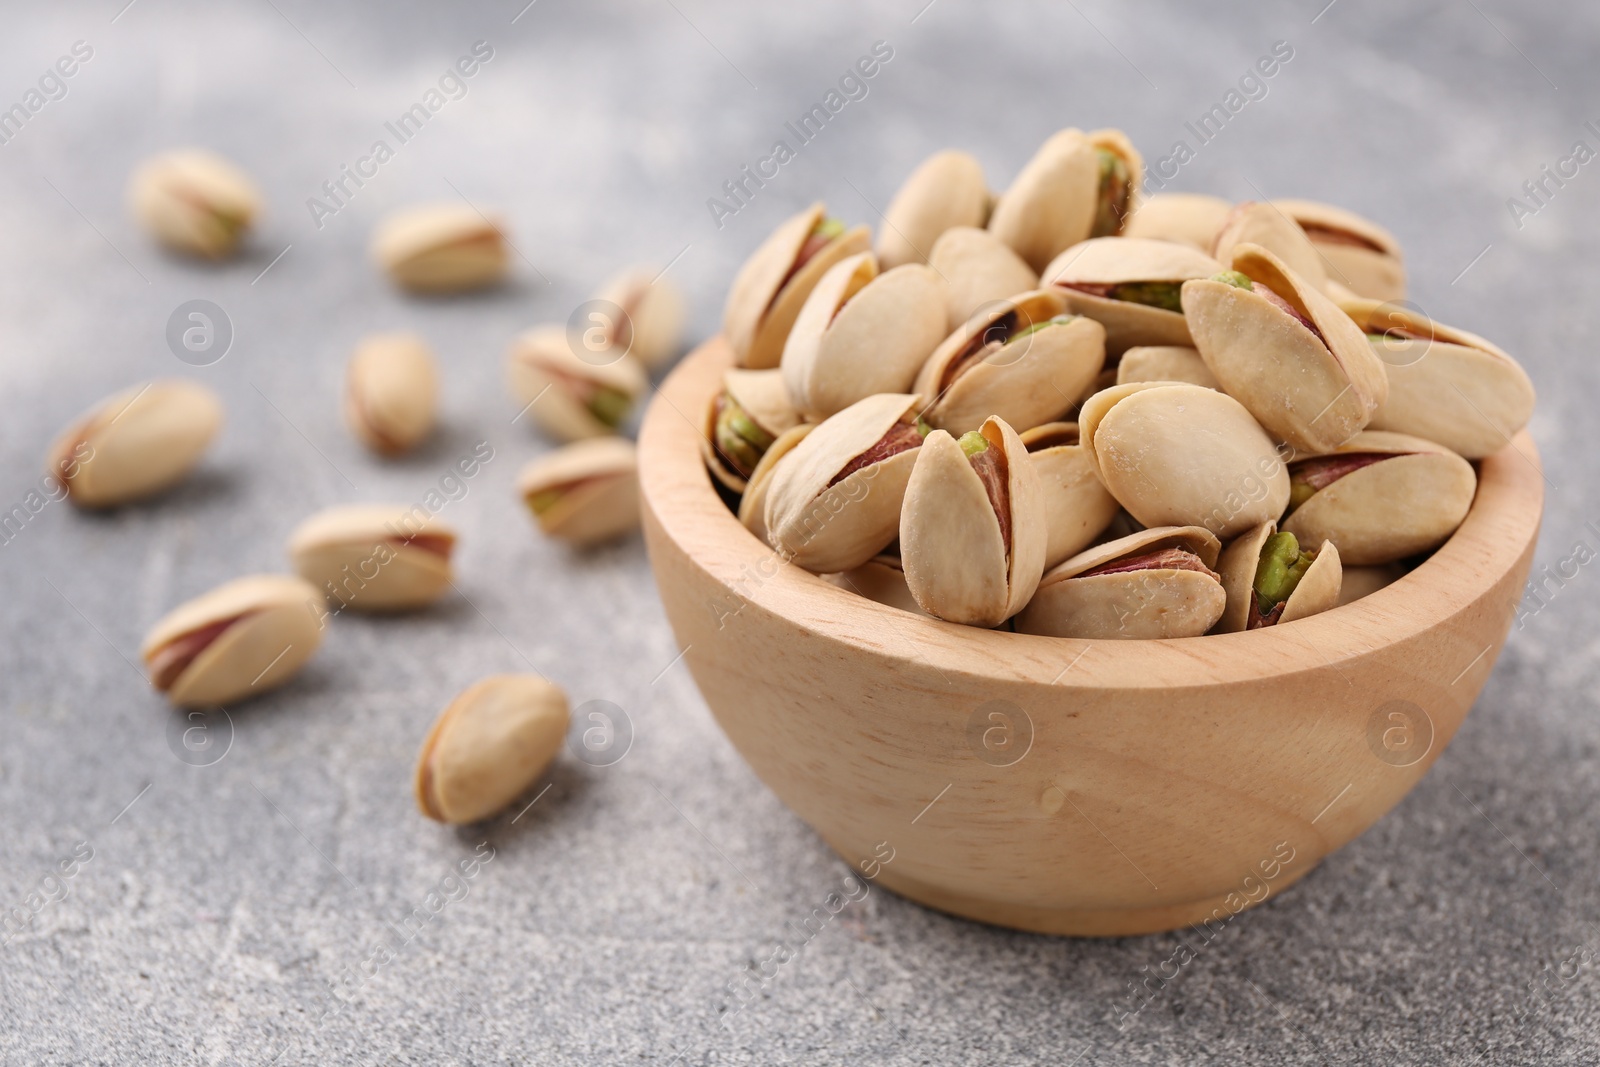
(978, 269)
(1317, 590)
(946, 190)
(358, 556)
(1176, 454)
(1148, 604)
(281, 628)
(391, 392)
(600, 478)
(881, 579)
(652, 331)
(1310, 394)
(825, 528)
(860, 333)
(1392, 509)
(541, 369)
(1267, 226)
(1164, 363)
(753, 504)
(136, 443)
(1357, 582)
(762, 305)
(1379, 273)
(1457, 390)
(194, 202)
(764, 397)
(1115, 260)
(1077, 506)
(1030, 381)
(1051, 205)
(1192, 219)
(488, 746)
(441, 248)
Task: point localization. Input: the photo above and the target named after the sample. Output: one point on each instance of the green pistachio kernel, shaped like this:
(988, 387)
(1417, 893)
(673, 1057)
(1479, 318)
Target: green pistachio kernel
(1114, 193)
(923, 426)
(973, 443)
(1280, 570)
(1299, 492)
(1235, 279)
(610, 406)
(828, 228)
(739, 438)
(1058, 320)
(543, 500)
(1164, 295)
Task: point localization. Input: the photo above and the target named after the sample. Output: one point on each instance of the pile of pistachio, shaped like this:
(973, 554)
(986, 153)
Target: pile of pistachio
(1069, 410)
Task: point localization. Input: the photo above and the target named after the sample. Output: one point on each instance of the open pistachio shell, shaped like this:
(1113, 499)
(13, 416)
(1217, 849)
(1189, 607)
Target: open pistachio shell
(1100, 278)
(774, 282)
(391, 392)
(946, 190)
(753, 504)
(1360, 254)
(194, 201)
(861, 333)
(1316, 591)
(489, 746)
(1170, 590)
(978, 269)
(1176, 454)
(826, 520)
(1267, 226)
(1409, 499)
(650, 328)
(763, 400)
(586, 492)
(972, 544)
(568, 396)
(993, 365)
(1445, 385)
(880, 579)
(1164, 363)
(1357, 582)
(1077, 507)
(1054, 202)
(1183, 218)
(441, 248)
(1312, 385)
(374, 557)
(136, 443)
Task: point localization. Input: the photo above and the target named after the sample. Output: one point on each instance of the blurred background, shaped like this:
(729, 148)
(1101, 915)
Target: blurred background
(240, 911)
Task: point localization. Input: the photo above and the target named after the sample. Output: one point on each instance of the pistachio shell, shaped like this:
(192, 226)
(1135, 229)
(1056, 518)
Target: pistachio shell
(978, 269)
(1164, 363)
(1317, 591)
(391, 392)
(586, 492)
(556, 386)
(136, 443)
(1183, 218)
(194, 202)
(441, 248)
(1051, 205)
(1311, 392)
(653, 315)
(753, 504)
(946, 190)
(488, 746)
(374, 557)
(1077, 506)
(1357, 582)
(1108, 261)
(860, 333)
(1184, 455)
(1360, 254)
(1266, 226)
(242, 638)
(762, 396)
(882, 580)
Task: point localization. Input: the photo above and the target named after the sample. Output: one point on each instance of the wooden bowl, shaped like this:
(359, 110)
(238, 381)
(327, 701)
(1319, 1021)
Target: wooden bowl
(1068, 786)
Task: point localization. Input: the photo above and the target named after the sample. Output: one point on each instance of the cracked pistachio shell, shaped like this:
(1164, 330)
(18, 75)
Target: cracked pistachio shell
(441, 248)
(1360, 254)
(374, 557)
(194, 202)
(769, 289)
(136, 443)
(1358, 582)
(586, 492)
(650, 328)
(391, 393)
(1176, 454)
(1311, 394)
(1031, 380)
(823, 526)
(978, 269)
(753, 504)
(494, 741)
(1408, 503)
(861, 333)
(1267, 226)
(1052, 203)
(1191, 219)
(956, 561)
(1445, 385)
(946, 190)
(1164, 363)
(560, 389)
(1317, 590)
(762, 395)
(1108, 261)
(882, 580)
(1157, 602)
(1077, 507)
(242, 638)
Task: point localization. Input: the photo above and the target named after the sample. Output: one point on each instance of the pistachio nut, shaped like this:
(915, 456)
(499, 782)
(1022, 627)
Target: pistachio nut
(978, 269)
(946, 190)
(882, 579)
(743, 421)
(566, 394)
(1183, 218)
(1157, 583)
(136, 443)
(972, 531)
(441, 248)
(753, 504)
(1023, 359)
(1077, 186)
(1077, 507)
(1176, 454)
(1358, 582)
(1270, 579)
(1285, 351)
(242, 638)
(1360, 254)
(1380, 497)
(1164, 363)
(194, 202)
(1267, 226)
(1445, 385)
(774, 282)
(1131, 287)
(586, 492)
(834, 500)
(391, 392)
(374, 557)
(861, 333)
(493, 741)
(650, 328)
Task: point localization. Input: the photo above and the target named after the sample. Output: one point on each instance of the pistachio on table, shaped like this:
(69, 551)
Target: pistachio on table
(1077, 186)
(752, 411)
(242, 638)
(882, 579)
(374, 557)
(1192, 219)
(391, 393)
(774, 282)
(570, 396)
(1267, 226)
(194, 202)
(494, 740)
(1358, 582)
(650, 328)
(441, 248)
(1271, 579)
(1164, 363)
(136, 443)
(1131, 287)
(1359, 253)
(586, 492)
(978, 269)
(1077, 506)
(753, 504)
(945, 191)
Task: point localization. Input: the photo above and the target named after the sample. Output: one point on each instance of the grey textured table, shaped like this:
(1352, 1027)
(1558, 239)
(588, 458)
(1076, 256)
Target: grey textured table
(253, 910)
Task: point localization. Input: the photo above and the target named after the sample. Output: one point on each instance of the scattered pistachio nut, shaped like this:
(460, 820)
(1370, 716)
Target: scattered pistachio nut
(1271, 579)
(391, 393)
(945, 191)
(978, 269)
(1192, 219)
(752, 411)
(650, 328)
(586, 492)
(753, 504)
(1164, 363)
(1267, 226)
(1077, 506)
(494, 740)
(882, 579)
(136, 443)
(569, 396)
(441, 248)
(1131, 287)
(1360, 254)
(194, 202)
(374, 557)
(1077, 186)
